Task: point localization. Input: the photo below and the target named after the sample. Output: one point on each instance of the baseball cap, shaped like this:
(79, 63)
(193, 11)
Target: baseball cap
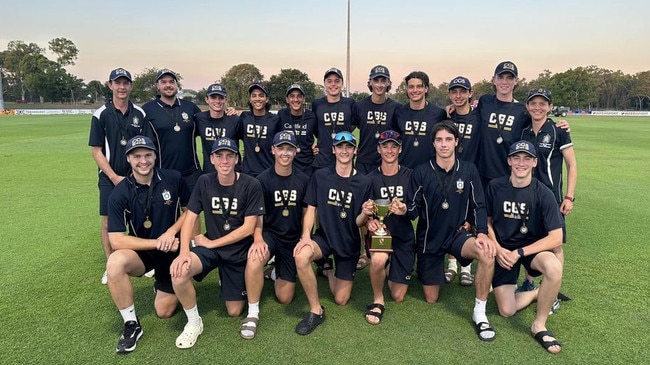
(258, 85)
(139, 142)
(119, 72)
(522, 146)
(390, 135)
(217, 89)
(344, 137)
(506, 66)
(460, 81)
(166, 71)
(224, 143)
(295, 87)
(283, 137)
(546, 94)
(379, 71)
(335, 71)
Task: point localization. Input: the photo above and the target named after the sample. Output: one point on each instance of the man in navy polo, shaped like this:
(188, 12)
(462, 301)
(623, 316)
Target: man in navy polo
(147, 204)
(171, 124)
(112, 125)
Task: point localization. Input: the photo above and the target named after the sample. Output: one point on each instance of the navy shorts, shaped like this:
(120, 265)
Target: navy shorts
(160, 261)
(509, 277)
(402, 260)
(231, 273)
(345, 268)
(431, 268)
(104, 192)
(285, 264)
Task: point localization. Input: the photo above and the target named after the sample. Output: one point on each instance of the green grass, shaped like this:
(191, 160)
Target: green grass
(55, 311)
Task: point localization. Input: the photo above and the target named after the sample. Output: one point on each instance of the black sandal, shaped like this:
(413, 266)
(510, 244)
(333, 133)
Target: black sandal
(379, 315)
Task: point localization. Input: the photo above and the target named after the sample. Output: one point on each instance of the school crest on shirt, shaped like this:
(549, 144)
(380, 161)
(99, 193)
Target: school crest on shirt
(136, 122)
(460, 185)
(167, 196)
(186, 118)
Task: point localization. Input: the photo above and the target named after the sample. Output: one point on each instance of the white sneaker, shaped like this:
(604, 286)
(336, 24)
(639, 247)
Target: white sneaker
(150, 274)
(105, 278)
(189, 335)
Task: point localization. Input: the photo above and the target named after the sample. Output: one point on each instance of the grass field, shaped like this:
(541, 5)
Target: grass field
(55, 311)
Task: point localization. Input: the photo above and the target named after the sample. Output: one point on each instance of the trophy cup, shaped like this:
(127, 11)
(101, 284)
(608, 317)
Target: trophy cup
(381, 240)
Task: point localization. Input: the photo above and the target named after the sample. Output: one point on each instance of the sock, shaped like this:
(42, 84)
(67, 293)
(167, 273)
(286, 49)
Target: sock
(254, 310)
(479, 311)
(452, 264)
(192, 315)
(128, 313)
(467, 269)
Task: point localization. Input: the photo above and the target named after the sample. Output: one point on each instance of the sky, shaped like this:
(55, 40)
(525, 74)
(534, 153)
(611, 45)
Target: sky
(202, 39)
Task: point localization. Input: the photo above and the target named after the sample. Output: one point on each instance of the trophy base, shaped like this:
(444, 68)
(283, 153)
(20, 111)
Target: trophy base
(381, 243)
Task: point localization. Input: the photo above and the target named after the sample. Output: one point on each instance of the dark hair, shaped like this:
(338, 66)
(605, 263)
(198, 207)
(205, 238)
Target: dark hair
(447, 125)
(390, 83)
(421, 76)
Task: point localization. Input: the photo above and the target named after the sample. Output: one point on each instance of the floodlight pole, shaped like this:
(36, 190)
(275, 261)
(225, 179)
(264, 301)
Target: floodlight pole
(347, 63)
(2, 99)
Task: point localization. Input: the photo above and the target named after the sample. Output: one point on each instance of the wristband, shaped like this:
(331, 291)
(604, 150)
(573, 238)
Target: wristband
(570, 198)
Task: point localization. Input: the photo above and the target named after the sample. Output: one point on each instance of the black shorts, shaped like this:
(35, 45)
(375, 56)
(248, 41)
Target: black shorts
(431, 267)
(231, 273)
(345, 268)
(402, 260)
(104, 192)
(285, 264)
(160, 261)
(509, 277)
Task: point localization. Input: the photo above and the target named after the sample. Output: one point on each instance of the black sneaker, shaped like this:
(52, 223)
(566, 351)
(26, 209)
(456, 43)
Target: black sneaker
(310, 322)
(130, 336)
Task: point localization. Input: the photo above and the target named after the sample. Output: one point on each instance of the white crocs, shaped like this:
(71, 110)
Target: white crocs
(189, 335)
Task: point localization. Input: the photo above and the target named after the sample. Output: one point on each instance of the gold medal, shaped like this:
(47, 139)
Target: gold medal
(177, 128)
(460, 149)
(500, 140)
(297, 149)
(147, 224)
(333, 135)
(377, 134)
(523, 229)
(343, 214)
(445, 205)
(285, 212)
(123, 142)
(226, 226)
(416, 143)
(257, 148)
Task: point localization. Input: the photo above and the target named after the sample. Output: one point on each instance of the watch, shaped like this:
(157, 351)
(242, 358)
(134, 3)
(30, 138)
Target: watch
(570, 198)
(520, 251)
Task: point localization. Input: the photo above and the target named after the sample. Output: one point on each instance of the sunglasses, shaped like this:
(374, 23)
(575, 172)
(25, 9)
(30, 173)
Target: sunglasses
(389, 135)
(344, 137)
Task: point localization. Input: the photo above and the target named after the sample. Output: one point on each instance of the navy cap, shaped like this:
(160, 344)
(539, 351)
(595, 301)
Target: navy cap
(390, 135)
(506, 66)
(344, 137)
(523, 146)
(217, 89)
(225, 143)
(166, 71)
(379, 71)
(295, 87)
(119, 72)
(257, 85)
(460, 81)
(283, 137)
(139, 142)
(546, 94)
(335, 71)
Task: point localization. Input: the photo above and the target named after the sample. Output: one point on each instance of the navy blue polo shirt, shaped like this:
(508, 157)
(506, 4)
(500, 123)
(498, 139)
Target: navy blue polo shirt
(415, 126)
(257, 134)
(280, 193)
(173, 129)
(332, 194)
(210, 129)
(498, 118)
(372, 119)
(505, 205)
(460, 187)
(332, 118)
(108, 127)
(127, 202)
(304, 127)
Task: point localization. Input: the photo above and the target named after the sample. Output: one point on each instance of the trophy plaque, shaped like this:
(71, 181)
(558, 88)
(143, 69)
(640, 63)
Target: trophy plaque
(381, 241)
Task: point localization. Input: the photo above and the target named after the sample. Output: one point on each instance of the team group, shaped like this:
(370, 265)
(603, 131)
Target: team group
(303, 191)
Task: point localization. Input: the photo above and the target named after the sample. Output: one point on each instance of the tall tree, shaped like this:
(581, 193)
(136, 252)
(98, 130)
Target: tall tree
(65, 51)
(13, 56)
(277, 85)
(641, 88)
(98, 91)
(236, 81)
(144, 85)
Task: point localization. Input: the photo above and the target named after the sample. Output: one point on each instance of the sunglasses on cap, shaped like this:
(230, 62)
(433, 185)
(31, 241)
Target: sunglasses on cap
(341, 137)
(385, 135)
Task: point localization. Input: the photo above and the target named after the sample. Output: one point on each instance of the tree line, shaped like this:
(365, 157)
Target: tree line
(28, 75)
